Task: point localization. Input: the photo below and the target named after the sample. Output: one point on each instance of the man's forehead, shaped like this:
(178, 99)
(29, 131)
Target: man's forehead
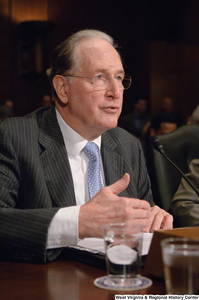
(94, 47)
(92, 42)
(99, 51)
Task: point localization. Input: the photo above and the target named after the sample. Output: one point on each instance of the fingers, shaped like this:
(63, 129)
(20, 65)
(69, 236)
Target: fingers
(140, 204)
(167, 222)
(120, 185)
(144, 222)
(141, 208)
(160, 219)
(107, 207)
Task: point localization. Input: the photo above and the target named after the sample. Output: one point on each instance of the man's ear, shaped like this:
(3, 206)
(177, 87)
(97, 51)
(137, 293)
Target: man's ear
(60, 85)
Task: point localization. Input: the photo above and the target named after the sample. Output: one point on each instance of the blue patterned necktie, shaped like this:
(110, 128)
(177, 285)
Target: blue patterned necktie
(94, 178)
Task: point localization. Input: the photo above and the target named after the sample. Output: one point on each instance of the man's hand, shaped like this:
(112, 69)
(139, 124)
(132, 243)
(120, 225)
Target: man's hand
(160, 219)
(106, 207)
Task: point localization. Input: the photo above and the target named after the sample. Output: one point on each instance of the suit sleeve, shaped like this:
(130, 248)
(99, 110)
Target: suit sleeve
(185, 204)
(23, 232)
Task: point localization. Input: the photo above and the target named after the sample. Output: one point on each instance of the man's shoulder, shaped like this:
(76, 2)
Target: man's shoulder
(120, 137)
(30, 119)
(119, 132)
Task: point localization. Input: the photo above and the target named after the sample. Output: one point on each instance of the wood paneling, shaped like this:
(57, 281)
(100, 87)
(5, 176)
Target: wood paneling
(174, 72)
(6, 50)
(25, 10)
(174, 68)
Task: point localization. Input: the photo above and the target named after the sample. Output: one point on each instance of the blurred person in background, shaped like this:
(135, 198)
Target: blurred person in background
(6, 109)
(194, 118)
(162, 123)
(185, 203)
(135, 121)
(167, 106)
(46, 100)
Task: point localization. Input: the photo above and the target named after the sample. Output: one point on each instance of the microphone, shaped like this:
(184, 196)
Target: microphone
(157, 145)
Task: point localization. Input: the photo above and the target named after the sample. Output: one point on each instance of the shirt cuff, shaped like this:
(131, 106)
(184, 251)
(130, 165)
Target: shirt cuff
(63, 229)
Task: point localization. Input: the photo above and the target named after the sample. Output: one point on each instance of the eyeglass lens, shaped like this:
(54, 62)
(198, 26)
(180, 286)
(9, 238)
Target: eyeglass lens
(126, 82)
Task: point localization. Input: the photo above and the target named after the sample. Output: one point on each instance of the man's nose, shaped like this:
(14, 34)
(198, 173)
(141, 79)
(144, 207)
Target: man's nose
(114, 88)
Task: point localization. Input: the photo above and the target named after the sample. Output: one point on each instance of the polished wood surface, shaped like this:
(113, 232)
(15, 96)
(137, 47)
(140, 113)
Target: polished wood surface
(59, 280)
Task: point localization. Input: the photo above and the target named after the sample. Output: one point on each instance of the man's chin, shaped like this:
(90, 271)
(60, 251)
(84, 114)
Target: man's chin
(111, 126)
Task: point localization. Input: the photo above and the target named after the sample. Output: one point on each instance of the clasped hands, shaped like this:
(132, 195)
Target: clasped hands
(107, 207)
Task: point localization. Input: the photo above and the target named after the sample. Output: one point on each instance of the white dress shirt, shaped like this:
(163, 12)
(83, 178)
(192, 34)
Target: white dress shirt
(63, 229)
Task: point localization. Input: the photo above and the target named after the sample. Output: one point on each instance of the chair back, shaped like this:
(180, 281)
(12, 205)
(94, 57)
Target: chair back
(181, 146)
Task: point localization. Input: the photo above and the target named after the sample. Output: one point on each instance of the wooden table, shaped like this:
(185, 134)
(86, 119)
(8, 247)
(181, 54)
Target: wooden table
(58, 280)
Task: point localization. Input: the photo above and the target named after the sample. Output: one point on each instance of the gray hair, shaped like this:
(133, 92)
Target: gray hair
(64, 57)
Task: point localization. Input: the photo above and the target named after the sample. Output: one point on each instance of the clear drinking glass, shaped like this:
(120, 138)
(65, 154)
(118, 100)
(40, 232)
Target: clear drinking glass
(123, 246)
(181, 265)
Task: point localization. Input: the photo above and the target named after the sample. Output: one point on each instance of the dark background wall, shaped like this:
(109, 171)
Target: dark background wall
(159, 43)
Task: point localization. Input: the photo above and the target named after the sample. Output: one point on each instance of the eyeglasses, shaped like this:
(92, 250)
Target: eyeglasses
(101, 82)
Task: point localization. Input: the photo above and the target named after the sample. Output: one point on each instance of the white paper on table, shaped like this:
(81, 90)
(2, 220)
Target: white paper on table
(96, 245)
(147, 238)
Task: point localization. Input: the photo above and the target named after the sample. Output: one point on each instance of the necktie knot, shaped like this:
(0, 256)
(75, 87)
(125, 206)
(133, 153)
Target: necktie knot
(94, 178)
(92, 151)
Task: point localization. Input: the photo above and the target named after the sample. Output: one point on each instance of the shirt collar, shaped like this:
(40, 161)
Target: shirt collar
(74, 142)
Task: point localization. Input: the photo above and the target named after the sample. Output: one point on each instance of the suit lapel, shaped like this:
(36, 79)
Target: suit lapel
(112, 161)
(55, 161)
(56, 166)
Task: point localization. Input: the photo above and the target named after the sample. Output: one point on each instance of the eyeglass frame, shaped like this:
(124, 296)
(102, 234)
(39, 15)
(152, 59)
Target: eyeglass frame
(105, 80)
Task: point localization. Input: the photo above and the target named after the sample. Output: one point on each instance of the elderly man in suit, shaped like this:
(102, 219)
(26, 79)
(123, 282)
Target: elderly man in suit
(44, 197)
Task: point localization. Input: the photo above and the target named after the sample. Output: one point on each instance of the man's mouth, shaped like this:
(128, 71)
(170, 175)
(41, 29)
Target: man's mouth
(111, 109)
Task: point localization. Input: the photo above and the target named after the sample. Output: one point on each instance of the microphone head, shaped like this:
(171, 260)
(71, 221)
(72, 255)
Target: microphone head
(156, 143)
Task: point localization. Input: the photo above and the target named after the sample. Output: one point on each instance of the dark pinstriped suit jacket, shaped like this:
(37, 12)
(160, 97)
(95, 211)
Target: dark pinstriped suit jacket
(35, 179)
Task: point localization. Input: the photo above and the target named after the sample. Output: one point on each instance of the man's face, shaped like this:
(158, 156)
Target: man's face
(91, 112)
(167, 104)
(166, 127)
(141, 106)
